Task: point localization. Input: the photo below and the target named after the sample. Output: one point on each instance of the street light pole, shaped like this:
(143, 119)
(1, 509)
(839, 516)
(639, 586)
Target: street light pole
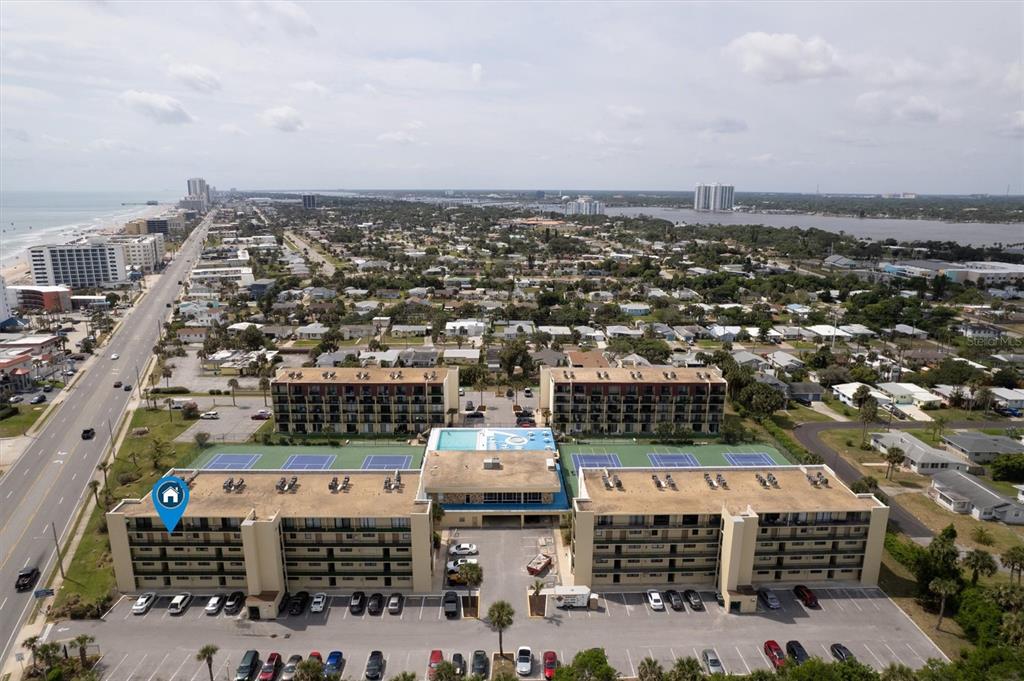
(56, 543)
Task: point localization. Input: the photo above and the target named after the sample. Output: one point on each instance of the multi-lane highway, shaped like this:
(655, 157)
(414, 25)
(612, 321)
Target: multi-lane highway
(49, 482)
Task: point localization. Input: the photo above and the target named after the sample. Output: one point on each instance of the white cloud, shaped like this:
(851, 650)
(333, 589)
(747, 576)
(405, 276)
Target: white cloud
(476, 72)
(19, 134)
(852, 139)
(1014, 126)
(284, 118)
(764, 159)
(781, 57)
(283, 14)
(161, 108)
(882, 107)
(725, 125)
(626, 112)
(231, 129)
(397, 137)
(104, 144)
(195, 76)
(26, 95)
(1013, 81)
(310, 86)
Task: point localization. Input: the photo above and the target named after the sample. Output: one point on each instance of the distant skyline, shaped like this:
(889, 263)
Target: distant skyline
(776, 97)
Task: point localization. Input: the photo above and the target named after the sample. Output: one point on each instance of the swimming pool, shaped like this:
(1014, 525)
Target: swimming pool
(493, 439)
(457, 439)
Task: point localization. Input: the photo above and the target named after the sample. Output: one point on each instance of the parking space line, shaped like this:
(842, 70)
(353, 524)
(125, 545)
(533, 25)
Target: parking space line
(881, 665)
(870, 599)
(760, 650)
(183, 661)
(895, 656)
(132, 673)
(828, 653)
(223, 666)
(629, 658)
(118, 666)
(914, 653)
(742, 659)
(156, 670)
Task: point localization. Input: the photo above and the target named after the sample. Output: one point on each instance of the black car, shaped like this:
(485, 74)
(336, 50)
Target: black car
(298, 603)
(375, 604)
(127, 387)
(47, 388)
(481, 665)
(282, 606)
(841, 652)
(450, 604)
(357, 604)
(27, 578)
(693, 599)
(248, 666)
(459, 662)
(674, 599)
(88, 433)
(375, 666)
(38, 399)
(796, 651)
(233, 605)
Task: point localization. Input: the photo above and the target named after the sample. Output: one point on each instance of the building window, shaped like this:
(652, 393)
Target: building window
(636, 520)
(367, 522)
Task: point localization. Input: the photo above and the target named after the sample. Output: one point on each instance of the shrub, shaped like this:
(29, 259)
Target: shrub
(982, 535)
(979, 616)
(173, 390)
(7, 412)
(790, 445)
(127, 477)
(906, 553)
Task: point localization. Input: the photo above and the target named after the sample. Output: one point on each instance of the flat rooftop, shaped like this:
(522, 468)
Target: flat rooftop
(357, 375)
(634, 375)
(795, 494)
(311, 498)
(464, 471)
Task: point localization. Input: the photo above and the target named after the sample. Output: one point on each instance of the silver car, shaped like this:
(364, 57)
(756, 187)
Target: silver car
(711, 661)
(768, 597)
(524, 661)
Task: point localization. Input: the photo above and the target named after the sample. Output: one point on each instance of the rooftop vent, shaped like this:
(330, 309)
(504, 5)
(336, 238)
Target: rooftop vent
(616, 481)
(333, 484)
(345, 482)
(492, 463)
(670, 481)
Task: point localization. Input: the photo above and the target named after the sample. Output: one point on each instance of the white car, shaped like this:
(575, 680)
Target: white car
(209, 415)
(463, 550)
(179, 603)
(524, 661)
(115, 356)
(454, 565)
(214, 605)
(654, 599)
(143, 603)
(16, 398)
(319, 602)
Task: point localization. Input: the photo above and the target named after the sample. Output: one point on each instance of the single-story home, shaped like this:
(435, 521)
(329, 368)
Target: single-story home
(827, 331)
(805, 392)
(844, 392)
(780, 386)
(921, 458)
(410, 330)
(961, 493)
(465, 327)
(908, 393)
(726, 334)
(1008, 398)
(857, 330)
(556, 331)
(982, 447)
(789, 332)
(419, 358)
(314, 331)
(785, 361)
(462, 356)
(635, 309)
(749, 359)
(619, 331)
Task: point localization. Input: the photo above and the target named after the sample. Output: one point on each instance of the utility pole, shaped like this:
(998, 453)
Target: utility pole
(138, 381)
(60, 558)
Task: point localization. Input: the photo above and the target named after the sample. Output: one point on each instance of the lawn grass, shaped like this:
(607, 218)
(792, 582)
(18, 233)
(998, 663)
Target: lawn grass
(16, 425)
(927, 436)
(837, 439)
(936, 518)
(798, 413)
(91, 574)
(964, 415)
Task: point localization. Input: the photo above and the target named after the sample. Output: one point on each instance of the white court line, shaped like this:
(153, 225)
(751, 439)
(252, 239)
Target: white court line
(742, 659)
(118, 665)
(157, 670)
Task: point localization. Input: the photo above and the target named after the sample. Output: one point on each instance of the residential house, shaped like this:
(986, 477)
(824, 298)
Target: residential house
(769, 336)
(336, 358)
(981, 447)
(549, 357)
(827, 332)
(907, 330)
(1008, 398)
(785, 361)
(749, 359)
(908, 393)
(619, 331)
(634, 309)
(192, 334)
(961, 493)
(410, 330)
(844, 392)
(594, 359)
(366, 306)
(589, 334)
(517, 328)
(465, 327)
(921, 458)
(687, 359)
(789, 332)
(556, 332)
(857, 331)
(314, 331)
(352, 331)
(462, 356)
(725, 334)
(419, 357)
(806, 392)
(780, 387)
(381, 358)
(979, 331)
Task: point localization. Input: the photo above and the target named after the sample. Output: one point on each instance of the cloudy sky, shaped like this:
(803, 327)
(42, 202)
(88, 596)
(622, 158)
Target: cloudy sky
(870, 97)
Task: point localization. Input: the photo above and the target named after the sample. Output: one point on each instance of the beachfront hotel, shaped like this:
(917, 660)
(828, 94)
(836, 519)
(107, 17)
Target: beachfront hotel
(272, 532)
(88, 263)
(631, 400)
(355, 400)
(734, 528)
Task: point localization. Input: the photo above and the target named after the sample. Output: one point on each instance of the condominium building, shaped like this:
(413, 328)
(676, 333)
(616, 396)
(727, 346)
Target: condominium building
(5, 301)
(92, 262)
(733, 528)
(144, 253)
(242, 276)
(165, 224)
(309, 201)
(279, 531)
(49, 298)
(713, 197)
(584, 205)
(198, 193)
(631, 400)
(353, 400)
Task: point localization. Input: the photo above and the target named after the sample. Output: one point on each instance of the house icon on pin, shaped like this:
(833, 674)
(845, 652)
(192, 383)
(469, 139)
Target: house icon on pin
(170, 496)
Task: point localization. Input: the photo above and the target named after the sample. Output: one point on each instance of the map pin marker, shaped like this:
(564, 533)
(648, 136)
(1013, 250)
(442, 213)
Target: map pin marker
(170, 496)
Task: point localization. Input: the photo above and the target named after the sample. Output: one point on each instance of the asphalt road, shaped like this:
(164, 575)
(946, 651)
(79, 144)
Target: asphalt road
(809, 435)
(49, 482)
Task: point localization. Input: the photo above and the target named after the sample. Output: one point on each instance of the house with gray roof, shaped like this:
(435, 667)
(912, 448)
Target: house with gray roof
(921, 458)
(785, 361)
(805, 392)
(982, 447)
(749, 359)
(961, 493)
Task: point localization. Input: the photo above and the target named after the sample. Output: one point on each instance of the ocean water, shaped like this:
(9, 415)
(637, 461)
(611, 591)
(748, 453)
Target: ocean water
(30, 218)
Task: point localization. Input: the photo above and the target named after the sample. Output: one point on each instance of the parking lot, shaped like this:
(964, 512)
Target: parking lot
(159, 646)
(503, 556)
(235, 423)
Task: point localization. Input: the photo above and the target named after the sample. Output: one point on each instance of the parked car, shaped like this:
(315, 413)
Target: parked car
(526, 423)
(297, 605)
(127, 387)
(524, 661)
(214, 605)
(675, 600)
(459, 662)
(261, 415)
(209, 415)
(143, 603)
(179, 604)
(38, 399)
(375, 665)
(463, 550)
(335, 662)
(796, 651)
(26, 578)
(15, 399)
(841, 652)
(47, 388)
(450, 604)
(234, 602)
(395, 604)
(654, 600)
(247, 667)
(375, 604)
(115, 356)
(550, 664)
(289, 668)
(88, 433)
(357, 604)
(118, 384)
(436, 658)
(528, 392)
(319, 602)
(454, 565)
(773, 651)
(315, 655)
(711, 661)
(806, 596)
(768, 597)
(481, 664)
(271, 667)
(474, 415)
(693, 599)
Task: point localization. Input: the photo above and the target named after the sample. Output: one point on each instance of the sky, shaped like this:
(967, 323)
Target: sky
(867, 97)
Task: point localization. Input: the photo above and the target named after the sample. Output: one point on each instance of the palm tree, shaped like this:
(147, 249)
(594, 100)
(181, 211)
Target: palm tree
(894, 456)
(1013, 559)
(650, 670)
(861, 395)
(537, 586)
(32, 645)
(103, 467)
(233, 384)
(898, 672)
(1013, 628)
(471, 574)
(405, 676)
(452, 411)
(160, 450)
(309, 669)
(500, 616)
(1009, 596)
(938, 426)
(686, 669)
(166, 373)
(943, 588)
(49, 655)
(979, 563)
(94, 485)
(83, 641)
(868, 413)
(265, 388)
(206, 654)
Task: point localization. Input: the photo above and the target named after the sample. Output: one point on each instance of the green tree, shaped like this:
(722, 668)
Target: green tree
(861, 395)
(982, 535)
(310, 669)
(264, 388)
(94, 487)
(761, 400)
(866, 485)
(82, 642)
(685, 669)
(650, 670)
(940, 559)
(1013, 559)
(446, 671)
(979, 563)
(500, 617)
(471, 574)
(202, 439)
(1013, 628)
(894, 458)
(233, 384)
(206, 654)
(898, 672)
(867, 414)
(943, 588)
(31, 644)
(587, 665)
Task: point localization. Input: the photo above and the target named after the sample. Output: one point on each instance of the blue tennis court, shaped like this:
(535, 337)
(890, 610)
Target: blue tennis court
(750, 459)
(232, 462)
(309, 462)
(596, 461)
(673, 460)
(387, 462)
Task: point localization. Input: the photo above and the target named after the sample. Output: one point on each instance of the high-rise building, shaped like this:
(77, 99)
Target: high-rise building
(198, 192)
(144, 253)
(309, 201)
(5, 306)
(584, 205)
(91, 262)
(165, 224)
(713, 198)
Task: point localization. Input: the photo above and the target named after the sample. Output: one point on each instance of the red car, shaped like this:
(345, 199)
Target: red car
(550, 664)
(806, 596)
(436, 658)
(268, 672)
(773, 651)
(316, 656)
